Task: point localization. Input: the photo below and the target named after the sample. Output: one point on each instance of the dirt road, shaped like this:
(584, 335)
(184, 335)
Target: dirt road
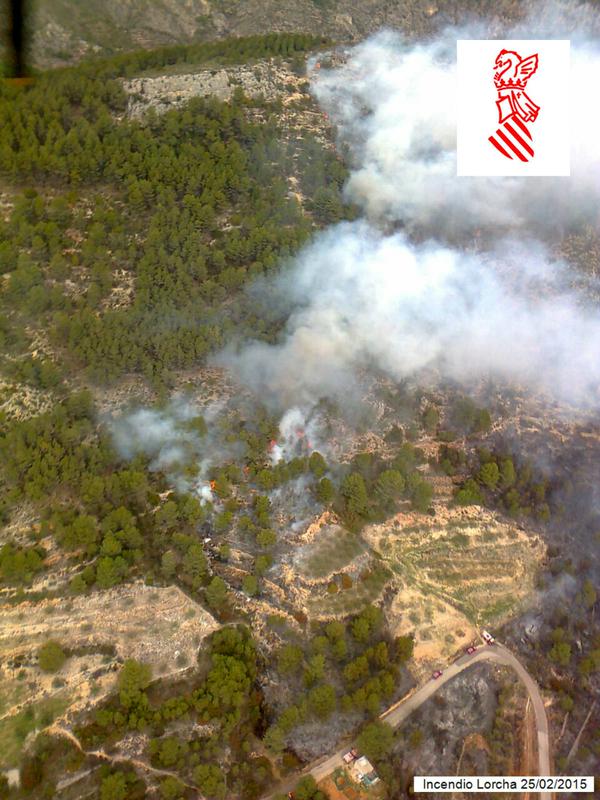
(396, 715)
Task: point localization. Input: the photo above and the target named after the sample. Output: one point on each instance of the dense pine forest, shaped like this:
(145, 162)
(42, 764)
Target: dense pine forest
(190, 205)
(186, 209)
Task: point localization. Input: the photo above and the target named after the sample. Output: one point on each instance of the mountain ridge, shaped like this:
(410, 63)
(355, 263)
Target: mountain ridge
(64, 31)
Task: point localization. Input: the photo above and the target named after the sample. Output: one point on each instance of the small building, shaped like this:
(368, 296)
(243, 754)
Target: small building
(364, 772)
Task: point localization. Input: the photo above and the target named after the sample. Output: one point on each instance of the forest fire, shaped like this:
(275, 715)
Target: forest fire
(340, 413)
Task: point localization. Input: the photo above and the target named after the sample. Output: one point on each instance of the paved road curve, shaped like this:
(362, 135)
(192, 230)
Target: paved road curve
(396, 715)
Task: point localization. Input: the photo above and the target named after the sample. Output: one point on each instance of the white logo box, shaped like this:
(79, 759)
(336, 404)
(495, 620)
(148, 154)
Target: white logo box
(478, 114)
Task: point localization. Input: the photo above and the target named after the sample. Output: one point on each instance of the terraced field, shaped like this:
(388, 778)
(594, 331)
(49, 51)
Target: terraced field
(151, 624)
(350, 601)
(479, 565)
(336, 573)
(161, 626)
(464, 570)
(331, 551)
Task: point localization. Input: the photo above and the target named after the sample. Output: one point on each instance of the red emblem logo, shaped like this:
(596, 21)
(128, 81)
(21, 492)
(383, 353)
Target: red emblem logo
(515, 109)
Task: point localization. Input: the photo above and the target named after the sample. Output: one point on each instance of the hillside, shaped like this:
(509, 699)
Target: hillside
(66, 30)
(219, 563)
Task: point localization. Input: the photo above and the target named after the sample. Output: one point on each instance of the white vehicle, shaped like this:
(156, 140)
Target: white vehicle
(487, 637)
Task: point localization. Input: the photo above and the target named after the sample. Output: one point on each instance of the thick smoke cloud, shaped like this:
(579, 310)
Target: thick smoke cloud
(382, 293)
(394, 105)
(174, 445)
(366, 299)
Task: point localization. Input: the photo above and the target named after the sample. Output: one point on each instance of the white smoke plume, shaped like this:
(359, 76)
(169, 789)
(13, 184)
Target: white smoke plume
(300, 433)
(382, 293)
(174, 446)
(394, 105)
(368, 299)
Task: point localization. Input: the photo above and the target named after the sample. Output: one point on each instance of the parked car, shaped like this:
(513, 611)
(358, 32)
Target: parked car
(437, 674)
(471, 649)
(487, 637)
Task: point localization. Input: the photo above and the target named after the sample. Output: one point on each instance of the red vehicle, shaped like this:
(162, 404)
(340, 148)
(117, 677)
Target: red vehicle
(436, 674)
(471, 649)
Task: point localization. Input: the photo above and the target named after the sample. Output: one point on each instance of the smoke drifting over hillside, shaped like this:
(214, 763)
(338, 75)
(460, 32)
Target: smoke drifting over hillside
(369, 299)
(365, 296)
(394, 105)
(174, 443)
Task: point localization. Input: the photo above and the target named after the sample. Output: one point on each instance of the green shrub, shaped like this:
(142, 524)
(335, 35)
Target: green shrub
(51, 656)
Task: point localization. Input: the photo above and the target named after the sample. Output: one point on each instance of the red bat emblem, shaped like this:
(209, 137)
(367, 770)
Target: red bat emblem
(515, 108)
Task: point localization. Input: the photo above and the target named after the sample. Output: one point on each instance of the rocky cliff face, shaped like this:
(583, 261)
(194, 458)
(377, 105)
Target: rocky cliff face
(66, 30)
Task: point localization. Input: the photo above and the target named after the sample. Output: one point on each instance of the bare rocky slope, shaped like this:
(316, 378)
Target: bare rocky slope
(66, 30)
